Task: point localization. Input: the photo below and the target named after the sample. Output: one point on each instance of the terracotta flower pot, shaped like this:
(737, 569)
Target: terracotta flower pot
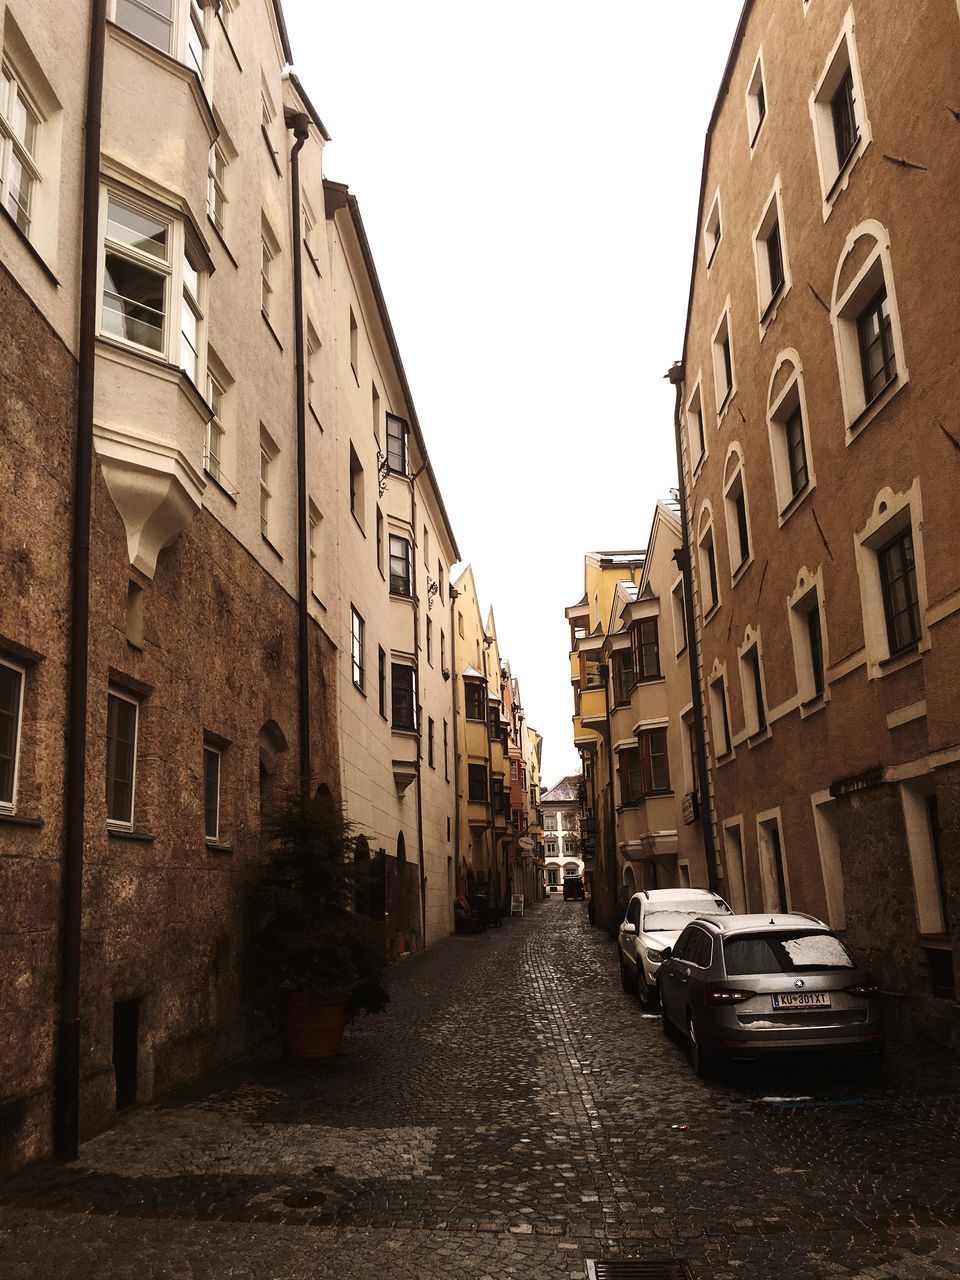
(311, 1029)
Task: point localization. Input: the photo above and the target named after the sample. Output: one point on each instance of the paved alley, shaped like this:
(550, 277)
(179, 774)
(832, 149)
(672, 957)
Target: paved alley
(512, 1115)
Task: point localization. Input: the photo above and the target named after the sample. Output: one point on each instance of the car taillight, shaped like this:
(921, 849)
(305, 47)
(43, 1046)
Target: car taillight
(862, 989)
(725, 995)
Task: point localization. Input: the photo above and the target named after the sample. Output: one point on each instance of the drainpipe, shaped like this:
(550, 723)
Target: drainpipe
(66, 1099)
(683, 559)
(416, 669)
(300, 124)
(612, 873)
(454, 680)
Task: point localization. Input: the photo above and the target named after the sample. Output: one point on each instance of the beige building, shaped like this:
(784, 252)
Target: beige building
(562, 849)
(816, 411)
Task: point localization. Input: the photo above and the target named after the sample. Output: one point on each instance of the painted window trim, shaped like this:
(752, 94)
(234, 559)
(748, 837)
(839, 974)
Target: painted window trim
(835, 176)
(787, 500)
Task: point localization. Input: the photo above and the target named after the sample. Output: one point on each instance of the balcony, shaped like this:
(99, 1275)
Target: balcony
(593, 707)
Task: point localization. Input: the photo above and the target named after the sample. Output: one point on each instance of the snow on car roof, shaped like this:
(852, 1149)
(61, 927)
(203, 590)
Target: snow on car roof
(776, 921)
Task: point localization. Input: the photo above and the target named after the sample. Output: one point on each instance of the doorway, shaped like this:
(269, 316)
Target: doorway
(126, 1040)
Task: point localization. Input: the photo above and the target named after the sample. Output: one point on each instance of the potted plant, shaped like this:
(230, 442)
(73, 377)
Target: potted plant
(311, 958)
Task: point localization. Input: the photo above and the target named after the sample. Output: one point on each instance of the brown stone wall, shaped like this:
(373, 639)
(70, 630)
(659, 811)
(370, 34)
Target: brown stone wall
(910, 69)
(162, 914)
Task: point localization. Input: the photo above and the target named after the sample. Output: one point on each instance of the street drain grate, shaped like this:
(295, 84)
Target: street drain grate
(636, 1269)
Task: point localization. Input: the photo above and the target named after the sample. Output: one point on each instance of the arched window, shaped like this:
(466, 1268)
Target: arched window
(707, 563)
(789, 431)
(739, 542)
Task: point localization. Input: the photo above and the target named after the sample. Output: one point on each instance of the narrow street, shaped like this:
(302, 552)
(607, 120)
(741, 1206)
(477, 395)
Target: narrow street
(513, 1114)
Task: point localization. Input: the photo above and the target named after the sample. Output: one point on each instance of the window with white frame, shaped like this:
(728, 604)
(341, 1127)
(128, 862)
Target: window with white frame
(197, 39)
(153, 21)
(310, 232)
(789, 433)
(20, 124)
(756, 101)
(11, 720)
(267, 116)
(712, 230)
(123, 713)
(723, 375)
(921, 818)
(397, 456)
(770, 256)
(735, 504)
(356, 488)
(720, 716)
(356, 648)
(211, 792)
(896, 561)
(751, 685)
(354, 346)
(268, 457)
(401, 578)
(191, 318)
(269, 249)
(735, 865)
(217, 187)
(866, 325)
(313, 363)
(679, 617)
(137, 270)
(429, 641)
(707, 556)
(213, 445)
(807, 631)
(890, 567)
(841, 127)
(403, 695)
(313, 547)
(696, 436)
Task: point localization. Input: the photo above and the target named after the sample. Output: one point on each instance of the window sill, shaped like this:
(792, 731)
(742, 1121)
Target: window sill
(317, 601)
(357, 522)
(756, 135)
(19, 820)
(217, 846)
(223, 244)
(725, 759)
(404, 731)
(725, 404)
(315, 416)
(698, 467)
(34, 254)
(813, 705)
(231, 497)
(271, 151)
(741, 570)
(266, 540)
(876, 406)
(711, 612)
(127, 833)
(713, 252)
(226, 36)
(796, 502)
(769, 313)
(759, 738)
(356, 376)
(401, 595)
(359, 689)
(313, 262)
(273, 332)
(842, 177)
(897, 661)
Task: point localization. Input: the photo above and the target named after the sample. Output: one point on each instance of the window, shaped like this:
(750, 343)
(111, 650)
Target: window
(213, 444)
(269, 248)
(770, 257)
(446, 758)
(898, 581)
(430, 742)
(756, 102)
(679, 618)
(624, 675)
(356, 487)
(723, 365)
(645, 640)
(629, 773)
(654, 767)
(477, 783)
(20, 124)
(878, 361)
(840, 125)
(11, 716)
(429, 631)
(403, 696)
(400, 567)
(712, 230)
(397, 445)
(354, 346)
(921, 817)
(356, 648)
(460, 625)
(151, 20)
(375, 410)
(196, 39)
(789, 435)
(751, 678)
(310, 233)
(313, 541)
(695, 433)
(440, 580)
(514, 771)
(136, 270)
(426, 548)
(806, 626)
(735, 501)
(493, 722)
(709, 589)
(796, 451)
(312, 363)
(122, 717)
(211, 793)
(443, 651)
(500, 802)
(382, 681)
(773, 876)
(720, 717)
(191, 320)
(267, 114)
(268, 454)
(474, 699)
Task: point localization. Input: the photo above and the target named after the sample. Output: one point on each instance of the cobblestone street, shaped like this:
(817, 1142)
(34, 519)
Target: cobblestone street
(513, 1114)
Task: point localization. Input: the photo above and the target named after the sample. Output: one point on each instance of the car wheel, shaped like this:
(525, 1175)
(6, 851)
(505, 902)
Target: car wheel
(698, 1059)
(649, 995)
(627, 982)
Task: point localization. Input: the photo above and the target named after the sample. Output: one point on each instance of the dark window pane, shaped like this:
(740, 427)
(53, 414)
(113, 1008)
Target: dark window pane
(844, 114)
(11, 686)
(133, 302)
(475, 696)
(403, 693)
(815, 638)
(877, 356)
(396, 444)
(400, 577)
(775, 260)
(898, 578)
(796, 452)
(121, 757)
(743, 536)
(211, 793)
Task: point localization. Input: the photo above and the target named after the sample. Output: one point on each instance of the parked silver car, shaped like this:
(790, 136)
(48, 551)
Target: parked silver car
(750, 986)
(653, 921)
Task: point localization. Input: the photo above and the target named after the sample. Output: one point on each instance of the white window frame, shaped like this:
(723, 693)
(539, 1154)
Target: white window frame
(195, 21)
(784, 394)
(809, 586)
(891, 514)
(10, 806)
(215, 430)
(751, 712)
(846, 307)
(218, 199)
(834, 177)
(723, 327)
(269, 253)
(211, 750)
(177, 46)
(712, 230)
(313, 347)
(768, 872)
(768, 299)
(755, 91)
(269, 452)
(697, 437)
(705, 528)
(120, 824)
(734, 484)
(357, 646)
(314, 526)
(12, 148)
(192, 299)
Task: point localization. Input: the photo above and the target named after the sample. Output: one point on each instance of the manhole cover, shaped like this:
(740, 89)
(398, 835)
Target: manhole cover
(637, 1269)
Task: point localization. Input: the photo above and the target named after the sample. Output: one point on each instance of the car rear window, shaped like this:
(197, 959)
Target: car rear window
(677, 918)
(785, 953)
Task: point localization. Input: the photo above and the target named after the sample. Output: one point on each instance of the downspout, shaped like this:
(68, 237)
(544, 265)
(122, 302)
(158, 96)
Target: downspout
(300, 124)
(684, 563)
(612, 873)
(419, 708)
(66, 1102)
(454, 680)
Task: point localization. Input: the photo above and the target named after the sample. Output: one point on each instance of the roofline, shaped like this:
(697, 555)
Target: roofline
(308, 105)
(721, 96)
(341, 192)
(282, 28)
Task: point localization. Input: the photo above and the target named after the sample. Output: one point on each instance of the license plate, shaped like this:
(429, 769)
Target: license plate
(802, 1000)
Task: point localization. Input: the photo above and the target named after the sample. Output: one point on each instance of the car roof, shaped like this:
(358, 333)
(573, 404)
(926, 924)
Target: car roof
(655, 895)
(776, 923)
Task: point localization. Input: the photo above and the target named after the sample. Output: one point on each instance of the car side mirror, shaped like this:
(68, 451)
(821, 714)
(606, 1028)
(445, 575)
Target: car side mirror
(627, 927)
(666, 953)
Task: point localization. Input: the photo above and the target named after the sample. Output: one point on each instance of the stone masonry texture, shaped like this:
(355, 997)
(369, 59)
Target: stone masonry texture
(512, 1114)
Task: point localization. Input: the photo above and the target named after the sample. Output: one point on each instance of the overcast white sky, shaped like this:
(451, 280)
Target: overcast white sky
(528, 175)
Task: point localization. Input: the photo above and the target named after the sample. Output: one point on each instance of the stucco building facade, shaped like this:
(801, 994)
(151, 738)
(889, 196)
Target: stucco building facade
(820, 456)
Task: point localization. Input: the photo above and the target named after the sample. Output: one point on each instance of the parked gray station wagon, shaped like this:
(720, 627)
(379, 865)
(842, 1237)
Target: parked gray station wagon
(750, 986)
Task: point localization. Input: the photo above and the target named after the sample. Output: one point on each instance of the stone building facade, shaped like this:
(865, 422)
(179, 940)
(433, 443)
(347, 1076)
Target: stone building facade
(562, 850)
(820, 457)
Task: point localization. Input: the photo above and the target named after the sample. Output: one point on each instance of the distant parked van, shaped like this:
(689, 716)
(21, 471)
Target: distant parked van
(573, 887)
